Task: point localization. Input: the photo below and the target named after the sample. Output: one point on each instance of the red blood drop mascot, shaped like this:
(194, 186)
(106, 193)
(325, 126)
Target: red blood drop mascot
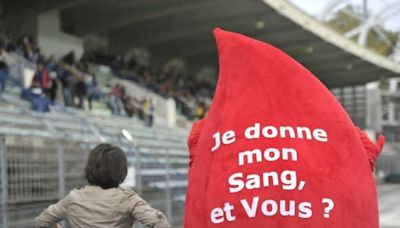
(276, 149)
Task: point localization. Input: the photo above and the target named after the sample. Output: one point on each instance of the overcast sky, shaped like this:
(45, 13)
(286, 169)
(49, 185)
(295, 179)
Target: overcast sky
(313, 7)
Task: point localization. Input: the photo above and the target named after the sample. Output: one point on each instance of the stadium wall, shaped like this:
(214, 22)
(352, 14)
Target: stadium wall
(52, 40)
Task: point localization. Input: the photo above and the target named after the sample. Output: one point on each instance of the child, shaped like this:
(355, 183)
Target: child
(102, 203)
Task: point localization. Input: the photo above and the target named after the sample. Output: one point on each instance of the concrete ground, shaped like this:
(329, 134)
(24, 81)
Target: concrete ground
(389, 205)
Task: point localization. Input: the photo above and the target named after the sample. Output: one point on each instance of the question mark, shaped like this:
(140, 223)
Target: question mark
(330, 206)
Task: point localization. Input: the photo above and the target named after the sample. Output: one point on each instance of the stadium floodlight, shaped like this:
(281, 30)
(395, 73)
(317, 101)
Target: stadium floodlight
(127, 135)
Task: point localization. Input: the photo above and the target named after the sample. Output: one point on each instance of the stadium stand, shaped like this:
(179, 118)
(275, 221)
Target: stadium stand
(96, 81)
(43, 148)
(43, 155)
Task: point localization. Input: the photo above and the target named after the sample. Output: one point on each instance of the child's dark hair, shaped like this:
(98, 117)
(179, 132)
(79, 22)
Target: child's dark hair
(106, 166)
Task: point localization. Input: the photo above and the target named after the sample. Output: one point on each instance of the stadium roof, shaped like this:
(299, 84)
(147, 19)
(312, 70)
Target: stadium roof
(183, 29)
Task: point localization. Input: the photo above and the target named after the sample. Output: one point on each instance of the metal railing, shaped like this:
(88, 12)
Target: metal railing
(37, 171)
(42, 157)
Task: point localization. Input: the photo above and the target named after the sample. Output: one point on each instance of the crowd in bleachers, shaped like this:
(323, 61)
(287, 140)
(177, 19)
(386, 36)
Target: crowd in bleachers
(68, 81)
(192, 97)
(66, 78)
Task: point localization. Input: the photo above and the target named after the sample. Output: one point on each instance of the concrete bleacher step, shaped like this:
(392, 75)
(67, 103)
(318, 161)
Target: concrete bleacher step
(17, 119)
(152, 143)
(12, 99)
(100, 108)
(7, 108)
(172, 184)
(160, 172)
(74, 123)
(24, 132)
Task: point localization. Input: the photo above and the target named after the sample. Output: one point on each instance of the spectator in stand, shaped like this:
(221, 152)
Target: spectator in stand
(66, 83)
(39, 101)
(116, 103)
(52, 91)
(80, 93)
(42, 77)
(129, 106)
(200, 110)
(82, 79)
(149, 81)
(149, 111)
(69, 58)
(141, 112)
(78, 83)
(126, 101)
(136, 107)
(3, 70)
(29, 49)
(51, 64)
(93, 92)
(3, 76)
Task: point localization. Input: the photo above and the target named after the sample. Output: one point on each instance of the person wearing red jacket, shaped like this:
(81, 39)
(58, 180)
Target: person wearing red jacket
(43, 79)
